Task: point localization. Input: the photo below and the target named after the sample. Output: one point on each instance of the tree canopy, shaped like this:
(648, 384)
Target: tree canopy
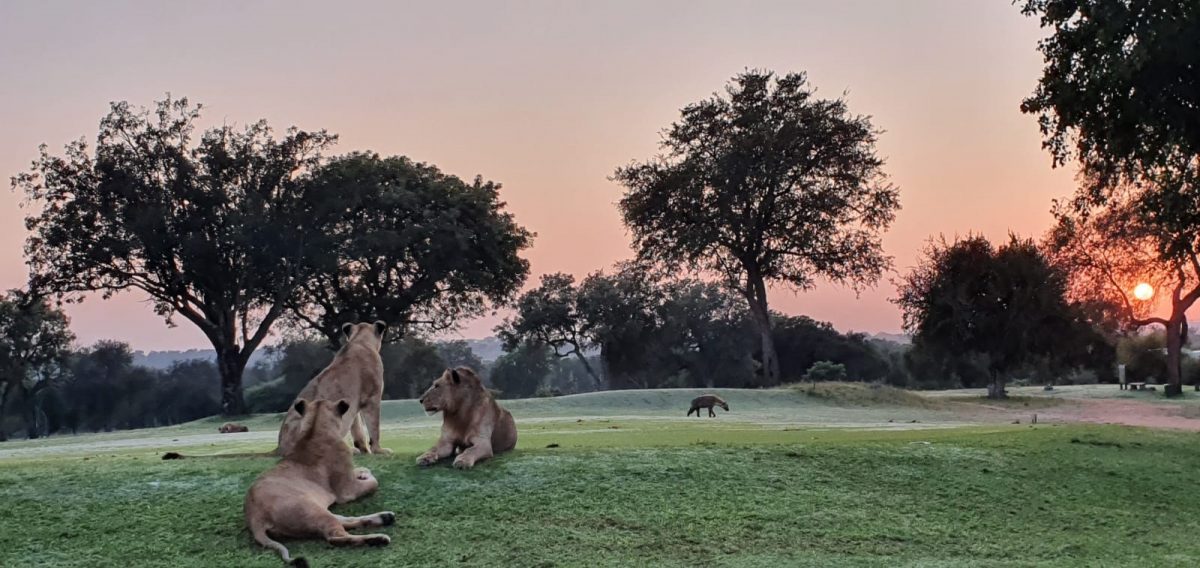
(1002, 308)
(764, 183)
(235, 228)
(412, 246)
(216, 230)
(34, 342)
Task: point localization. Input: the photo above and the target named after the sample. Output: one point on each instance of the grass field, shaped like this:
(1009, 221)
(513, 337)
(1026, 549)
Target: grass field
(844, 476)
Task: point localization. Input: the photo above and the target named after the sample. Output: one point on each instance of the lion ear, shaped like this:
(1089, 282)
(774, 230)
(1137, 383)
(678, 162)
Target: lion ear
(346, 328)
(380, 328)
(343, 407)
(299, 406)
(454, 375)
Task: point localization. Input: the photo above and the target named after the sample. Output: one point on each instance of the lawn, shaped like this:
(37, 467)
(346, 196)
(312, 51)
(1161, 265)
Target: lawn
(785, 479)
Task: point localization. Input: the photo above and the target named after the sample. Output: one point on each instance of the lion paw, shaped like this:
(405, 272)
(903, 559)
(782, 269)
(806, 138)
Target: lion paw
(377, 540)
(461, 463)
(381, 451)
(427, 460)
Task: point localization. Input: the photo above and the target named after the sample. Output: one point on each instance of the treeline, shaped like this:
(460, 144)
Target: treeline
(637, 328)
(688, 334)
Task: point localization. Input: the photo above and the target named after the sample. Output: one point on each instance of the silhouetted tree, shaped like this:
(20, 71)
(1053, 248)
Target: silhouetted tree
(1119, 94)
(651, 331)
(999, 309)
(413, 246)
(34, 340)
(519, 373)
(803, 342)
(764, 184)
(215, 230)
(549, 315)
(618, 312)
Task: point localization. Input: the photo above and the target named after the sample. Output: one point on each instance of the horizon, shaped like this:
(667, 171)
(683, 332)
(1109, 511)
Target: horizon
(548, 99)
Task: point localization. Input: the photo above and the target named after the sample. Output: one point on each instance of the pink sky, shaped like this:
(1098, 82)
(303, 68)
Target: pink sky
(546, 98)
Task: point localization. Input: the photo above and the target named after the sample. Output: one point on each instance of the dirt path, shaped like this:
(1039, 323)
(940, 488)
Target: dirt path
(1127, 412)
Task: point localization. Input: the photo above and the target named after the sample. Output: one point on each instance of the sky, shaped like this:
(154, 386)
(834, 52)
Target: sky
(547, 98)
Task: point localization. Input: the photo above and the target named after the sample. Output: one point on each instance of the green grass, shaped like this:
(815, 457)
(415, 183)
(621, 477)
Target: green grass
(631, 484)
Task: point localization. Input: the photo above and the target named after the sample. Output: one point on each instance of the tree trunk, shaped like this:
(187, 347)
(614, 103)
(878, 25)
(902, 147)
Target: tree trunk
(995, 389)
(761, 314)
(31, 416)
(231, 363)
(1174, 357)
(588, 367)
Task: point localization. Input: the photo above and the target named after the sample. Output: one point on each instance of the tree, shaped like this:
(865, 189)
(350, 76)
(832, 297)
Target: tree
(619, 313)
(704, 330)
(409, 366)
(825, 371)
(1119, 94)
(764, 184)
(519, 373)
(413, 246)
(219, 231)
(34, 339)
(549, 315)
(804, 342)
(999, 309)
(458, 353)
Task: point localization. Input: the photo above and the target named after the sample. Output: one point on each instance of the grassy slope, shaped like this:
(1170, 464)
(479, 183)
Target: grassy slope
(630, 487)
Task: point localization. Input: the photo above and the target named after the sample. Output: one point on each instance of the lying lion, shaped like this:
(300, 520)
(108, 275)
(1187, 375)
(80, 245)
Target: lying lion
(355, 374)
(232, 428)
(292, 499)
(472, 423)
(707, 401)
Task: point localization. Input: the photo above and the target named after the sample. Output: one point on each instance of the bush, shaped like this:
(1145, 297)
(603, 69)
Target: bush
(271, 396)
(823, 371)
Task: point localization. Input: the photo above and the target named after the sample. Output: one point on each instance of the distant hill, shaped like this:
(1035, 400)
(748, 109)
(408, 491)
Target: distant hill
(901, 338)
(164, 359)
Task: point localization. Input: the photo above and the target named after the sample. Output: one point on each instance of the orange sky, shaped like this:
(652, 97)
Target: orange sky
(546, 98)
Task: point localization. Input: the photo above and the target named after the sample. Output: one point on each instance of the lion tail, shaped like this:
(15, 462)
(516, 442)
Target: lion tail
(260, 536)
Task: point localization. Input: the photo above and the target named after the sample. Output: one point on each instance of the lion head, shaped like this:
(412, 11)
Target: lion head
(311, 420)
(370, 333)
(452, 391)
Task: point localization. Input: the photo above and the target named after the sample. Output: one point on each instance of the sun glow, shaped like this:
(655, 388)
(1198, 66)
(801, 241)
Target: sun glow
(1143, 291)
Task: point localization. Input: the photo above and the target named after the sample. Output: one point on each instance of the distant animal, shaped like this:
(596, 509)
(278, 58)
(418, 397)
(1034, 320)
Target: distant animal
(707, 401)
(231, 428)
(473, 425)
(292, 499)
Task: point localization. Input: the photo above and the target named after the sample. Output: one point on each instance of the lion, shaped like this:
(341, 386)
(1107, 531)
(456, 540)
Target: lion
(707, 401)
(355, 374)
(232, 428)
(292, 499)
(472, 423)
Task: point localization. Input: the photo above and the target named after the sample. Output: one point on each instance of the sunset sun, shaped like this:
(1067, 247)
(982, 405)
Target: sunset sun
(1143, 291)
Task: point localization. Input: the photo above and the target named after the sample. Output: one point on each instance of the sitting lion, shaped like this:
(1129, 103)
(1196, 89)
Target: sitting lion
(292, 499)
(356, 375)
(707, 401)
(472, 423)
(232, 428)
